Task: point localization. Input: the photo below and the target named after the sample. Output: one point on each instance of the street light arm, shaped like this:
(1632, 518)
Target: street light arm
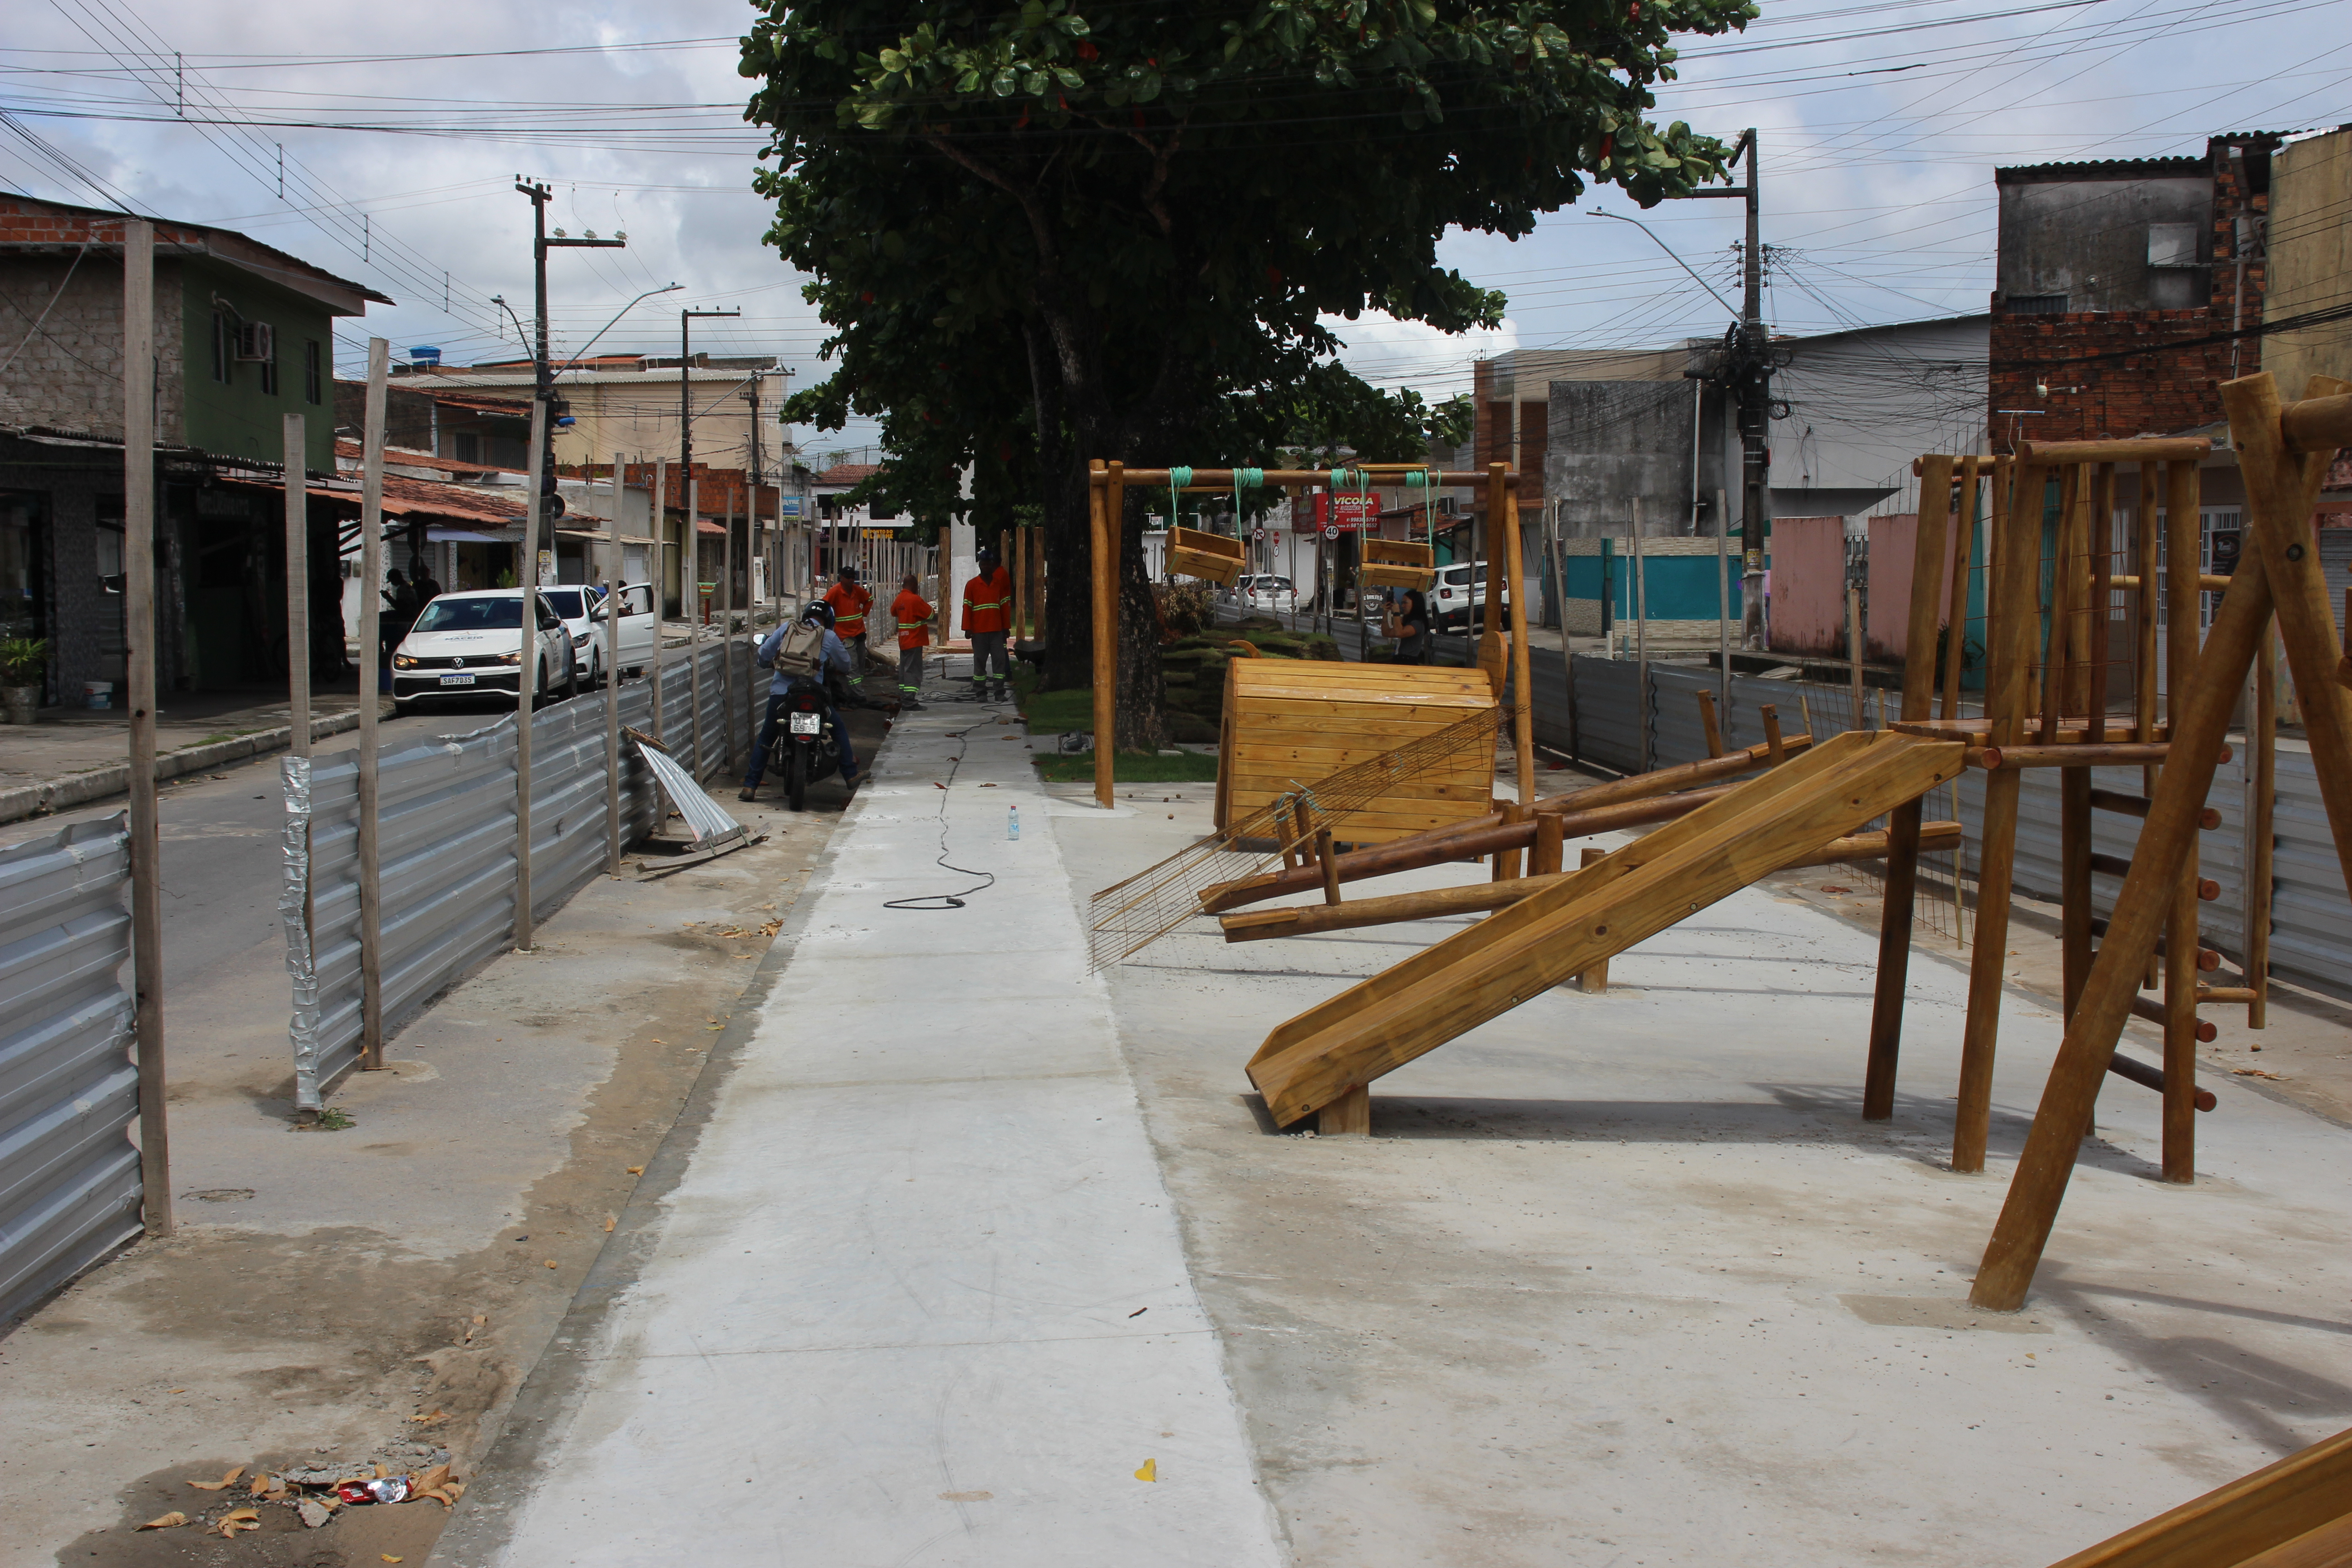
(607, 327)
(1661, 244)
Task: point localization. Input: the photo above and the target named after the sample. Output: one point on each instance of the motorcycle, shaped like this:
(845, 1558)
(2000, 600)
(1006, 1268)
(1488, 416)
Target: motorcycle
(805, 749)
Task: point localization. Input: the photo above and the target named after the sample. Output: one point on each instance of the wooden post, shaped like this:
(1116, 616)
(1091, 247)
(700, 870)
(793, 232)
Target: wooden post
(2280, 490)
(1348, 1114)
(1854, 653)
(1895, 915)
(1552, 838)
(1490, 623)
(1594, 979)
(1640, 587)
(1769, 713)
(2306, 620)
(1330, 861)
(727, 633)
(1722, 601)
(2181, 936)
(297, 580)
(2013, 627)
(2262, 801)
(2147, 563)
(659, 573)
(139, 627)
(614, 574)
(527, 678)
(1508, 861)
(2053, 639)
(1963, 557)
(1523, 740)
(1707, 723)
(372, 705)
(1103, 534)
(689, 591)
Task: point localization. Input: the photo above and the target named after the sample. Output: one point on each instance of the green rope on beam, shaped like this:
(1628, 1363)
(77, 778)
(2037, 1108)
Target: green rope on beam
(1177, 480)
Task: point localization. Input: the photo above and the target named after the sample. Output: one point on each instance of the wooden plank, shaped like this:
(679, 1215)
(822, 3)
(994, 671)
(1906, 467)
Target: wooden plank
(2178, 965)
(1481, 973)
(2233, 1525)
(1349, 1114)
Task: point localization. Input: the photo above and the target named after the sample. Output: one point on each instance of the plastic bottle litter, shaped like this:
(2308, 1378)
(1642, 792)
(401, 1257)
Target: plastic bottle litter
(1013, 822)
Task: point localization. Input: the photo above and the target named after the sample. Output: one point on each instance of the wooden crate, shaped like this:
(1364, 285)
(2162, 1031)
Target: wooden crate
(1399, 563)
(1192, 554)
(1296, 722)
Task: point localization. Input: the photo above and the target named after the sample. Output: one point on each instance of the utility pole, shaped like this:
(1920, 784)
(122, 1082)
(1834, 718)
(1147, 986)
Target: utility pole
(689, 553)
(543, 371)
(1747, 374)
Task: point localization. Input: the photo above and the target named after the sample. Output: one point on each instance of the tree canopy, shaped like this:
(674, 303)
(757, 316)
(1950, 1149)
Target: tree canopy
(1114, 231)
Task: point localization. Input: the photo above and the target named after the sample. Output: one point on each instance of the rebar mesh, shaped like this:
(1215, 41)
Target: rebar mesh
(1126, 917)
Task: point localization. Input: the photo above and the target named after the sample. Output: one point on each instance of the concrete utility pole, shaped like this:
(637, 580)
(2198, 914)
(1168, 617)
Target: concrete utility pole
(543, 371)
(691, 555)
(1748, 375)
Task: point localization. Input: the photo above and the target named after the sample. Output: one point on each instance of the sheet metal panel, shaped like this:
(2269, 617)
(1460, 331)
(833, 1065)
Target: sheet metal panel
(446, 838)
(1609, 713)
(1676, 733)
(2311, 930)
(69, 1188)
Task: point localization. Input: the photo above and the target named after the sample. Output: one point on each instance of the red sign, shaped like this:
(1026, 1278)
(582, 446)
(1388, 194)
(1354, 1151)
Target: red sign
(1354, 513)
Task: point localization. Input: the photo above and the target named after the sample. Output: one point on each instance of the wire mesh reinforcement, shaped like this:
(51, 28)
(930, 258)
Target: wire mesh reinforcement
(1128, 917)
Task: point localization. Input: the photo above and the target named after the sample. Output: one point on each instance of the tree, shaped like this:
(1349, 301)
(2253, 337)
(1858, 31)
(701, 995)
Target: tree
(1148, 208)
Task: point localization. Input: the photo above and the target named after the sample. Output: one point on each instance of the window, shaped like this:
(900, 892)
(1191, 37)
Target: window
(2037, 304)
(269, 370)
(224, 348)
(311, 372)
(468, 448)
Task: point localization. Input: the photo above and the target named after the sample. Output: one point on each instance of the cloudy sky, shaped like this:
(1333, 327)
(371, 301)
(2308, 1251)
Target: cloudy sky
(382, 143)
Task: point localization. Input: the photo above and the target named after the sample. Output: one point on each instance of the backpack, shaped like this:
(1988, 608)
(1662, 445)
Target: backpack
(800, 651)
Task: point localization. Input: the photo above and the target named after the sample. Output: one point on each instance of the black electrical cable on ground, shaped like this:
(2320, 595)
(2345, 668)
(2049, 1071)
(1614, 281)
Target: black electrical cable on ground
(925, 904)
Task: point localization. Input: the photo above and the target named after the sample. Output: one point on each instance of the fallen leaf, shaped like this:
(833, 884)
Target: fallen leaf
(386, 1557)
(179, 1391)
(380, 1471)
(166, 1522)
(436, 1415)
(226, 1481)
(1833, 889)
(639, 1170)
(551, 1263)
(610, 1222)
(1150, 1471)
(2256, 1072)
(261, 1483)
(481, 1317)
(432, 1478)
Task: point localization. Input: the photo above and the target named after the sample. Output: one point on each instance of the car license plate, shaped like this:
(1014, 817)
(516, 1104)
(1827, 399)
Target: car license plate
(806, 723)
(457, 680)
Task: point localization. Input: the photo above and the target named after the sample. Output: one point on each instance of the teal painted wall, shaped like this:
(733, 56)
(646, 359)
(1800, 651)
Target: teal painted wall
(239, 418)
(1681, 588)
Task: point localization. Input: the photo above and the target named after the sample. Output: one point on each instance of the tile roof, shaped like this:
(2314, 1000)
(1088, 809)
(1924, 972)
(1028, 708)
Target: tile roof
(848, 473)
(408, 456)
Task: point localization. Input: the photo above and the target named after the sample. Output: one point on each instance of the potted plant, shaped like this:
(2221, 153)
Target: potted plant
(22, 661)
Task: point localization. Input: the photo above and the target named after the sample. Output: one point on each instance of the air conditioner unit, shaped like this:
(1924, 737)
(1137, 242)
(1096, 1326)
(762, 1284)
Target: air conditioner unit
(255, 340)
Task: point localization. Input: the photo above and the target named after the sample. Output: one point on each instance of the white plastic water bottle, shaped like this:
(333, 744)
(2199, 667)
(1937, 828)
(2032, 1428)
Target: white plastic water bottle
(1013, 822)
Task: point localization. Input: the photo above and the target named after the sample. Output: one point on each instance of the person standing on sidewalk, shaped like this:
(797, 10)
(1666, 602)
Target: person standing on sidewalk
(851, 601)
(987, 616)
(913, 614)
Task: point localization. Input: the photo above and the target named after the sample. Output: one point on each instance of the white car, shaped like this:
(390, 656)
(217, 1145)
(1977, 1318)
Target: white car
(1458, 600)
(1267, 592)
(581, 609)
(468, 645)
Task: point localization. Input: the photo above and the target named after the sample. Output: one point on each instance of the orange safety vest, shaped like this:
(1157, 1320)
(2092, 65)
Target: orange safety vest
(850, 601)
(914, 619)
(988, 602)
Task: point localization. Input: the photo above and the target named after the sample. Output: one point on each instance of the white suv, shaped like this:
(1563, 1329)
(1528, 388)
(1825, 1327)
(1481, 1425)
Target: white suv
(1458, 600)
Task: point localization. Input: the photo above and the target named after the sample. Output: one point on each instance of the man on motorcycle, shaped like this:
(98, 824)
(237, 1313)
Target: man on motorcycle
(834, 661)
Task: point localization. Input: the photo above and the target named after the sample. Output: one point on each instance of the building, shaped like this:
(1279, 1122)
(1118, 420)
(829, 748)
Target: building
(244, 336)
(618, 403)
(2308, 260)
(2099, 266)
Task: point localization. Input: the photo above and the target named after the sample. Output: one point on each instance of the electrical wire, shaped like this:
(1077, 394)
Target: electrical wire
(933, 904)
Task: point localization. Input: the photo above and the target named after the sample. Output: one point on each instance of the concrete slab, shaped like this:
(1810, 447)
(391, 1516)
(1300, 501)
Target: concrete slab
(1625, 1279)
(917, 1293)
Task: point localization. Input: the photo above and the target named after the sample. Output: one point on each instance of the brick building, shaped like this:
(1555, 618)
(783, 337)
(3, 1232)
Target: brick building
(2099, 265)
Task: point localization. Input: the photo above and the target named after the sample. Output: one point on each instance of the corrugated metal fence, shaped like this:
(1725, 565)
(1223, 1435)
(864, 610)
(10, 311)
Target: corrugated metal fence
(69, 1186)
(445, 826)
(2311, 935)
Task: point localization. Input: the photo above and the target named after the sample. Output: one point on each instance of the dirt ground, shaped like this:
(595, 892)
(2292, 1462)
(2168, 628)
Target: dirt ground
(375, 1294)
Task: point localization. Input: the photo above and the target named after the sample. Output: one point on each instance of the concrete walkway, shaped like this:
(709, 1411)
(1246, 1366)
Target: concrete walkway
(918, 1292)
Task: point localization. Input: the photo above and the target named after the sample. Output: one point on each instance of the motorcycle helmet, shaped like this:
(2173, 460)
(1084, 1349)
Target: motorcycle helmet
(818, 612)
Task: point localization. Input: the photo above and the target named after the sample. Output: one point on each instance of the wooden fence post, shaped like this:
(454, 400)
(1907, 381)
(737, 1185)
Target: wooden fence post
(138, 624)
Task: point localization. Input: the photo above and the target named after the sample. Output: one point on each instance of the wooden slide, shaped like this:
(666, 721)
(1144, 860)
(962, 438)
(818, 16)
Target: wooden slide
(1326, 1056)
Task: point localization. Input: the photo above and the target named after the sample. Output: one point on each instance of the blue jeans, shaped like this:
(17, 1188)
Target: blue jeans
(776, 721)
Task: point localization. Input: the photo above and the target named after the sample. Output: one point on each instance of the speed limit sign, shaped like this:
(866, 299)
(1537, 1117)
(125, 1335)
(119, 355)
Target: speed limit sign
(1331, 531)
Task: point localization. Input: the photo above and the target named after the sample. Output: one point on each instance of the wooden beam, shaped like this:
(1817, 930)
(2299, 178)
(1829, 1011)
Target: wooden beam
(2139, 449)
(2240, 1523)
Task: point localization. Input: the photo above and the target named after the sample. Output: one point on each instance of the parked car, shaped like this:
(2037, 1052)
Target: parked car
(1267, 592)
(464, 645)
(1458, 600)
(581, 609)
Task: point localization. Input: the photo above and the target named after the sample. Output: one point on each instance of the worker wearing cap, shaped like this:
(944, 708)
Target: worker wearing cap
(987, 616)
(850, 602)
(913, 614)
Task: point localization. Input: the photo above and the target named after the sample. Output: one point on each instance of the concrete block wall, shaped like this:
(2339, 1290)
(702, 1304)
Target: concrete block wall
(69, 375)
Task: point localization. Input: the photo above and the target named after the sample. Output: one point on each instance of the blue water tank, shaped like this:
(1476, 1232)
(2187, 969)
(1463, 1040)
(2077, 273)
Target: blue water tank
(427, 356)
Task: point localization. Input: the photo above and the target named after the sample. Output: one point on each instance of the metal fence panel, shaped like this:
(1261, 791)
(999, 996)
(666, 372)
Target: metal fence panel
(2311, 932)
(69, 1188)
(1677, 735)
(446, 838)
(1609, 713)
(1548, 674)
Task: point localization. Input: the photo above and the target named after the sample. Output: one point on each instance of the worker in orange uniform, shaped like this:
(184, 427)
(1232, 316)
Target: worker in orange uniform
(913, 614)
(850, 602)
(987, 616)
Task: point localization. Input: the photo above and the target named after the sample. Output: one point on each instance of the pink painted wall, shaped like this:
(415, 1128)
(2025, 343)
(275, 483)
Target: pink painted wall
(1809, 587)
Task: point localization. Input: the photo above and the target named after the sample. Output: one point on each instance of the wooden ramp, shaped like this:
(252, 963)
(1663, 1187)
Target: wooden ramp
(1329, 1053)
(1292, 722)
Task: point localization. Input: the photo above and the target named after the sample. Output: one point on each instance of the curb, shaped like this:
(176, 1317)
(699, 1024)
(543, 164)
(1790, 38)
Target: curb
(52, 795)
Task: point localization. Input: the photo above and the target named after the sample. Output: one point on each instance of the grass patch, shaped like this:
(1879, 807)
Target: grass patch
(1129, 767)
(1058, 712)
